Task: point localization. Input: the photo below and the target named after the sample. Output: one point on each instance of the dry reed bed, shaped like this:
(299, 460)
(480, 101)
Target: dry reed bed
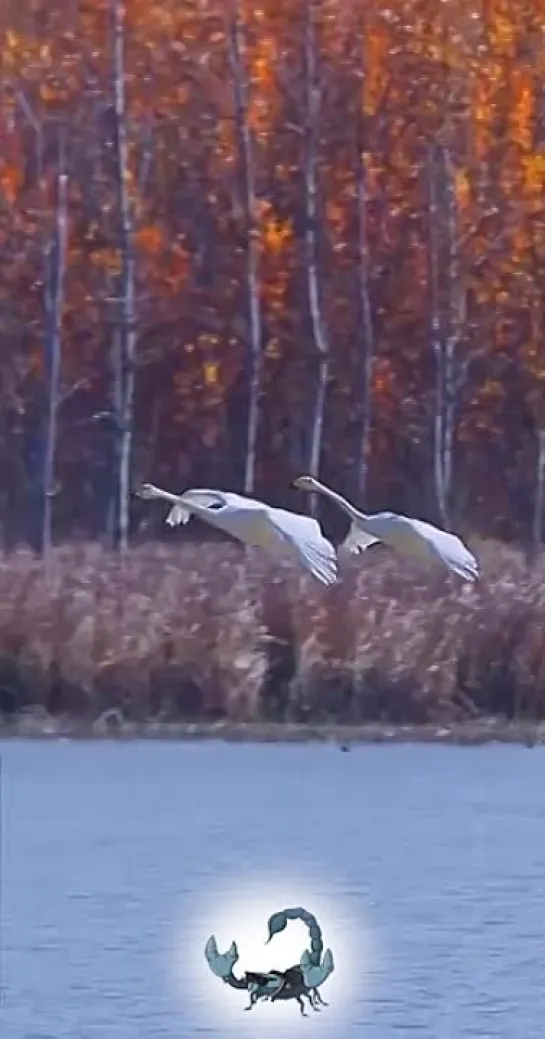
(201, 631)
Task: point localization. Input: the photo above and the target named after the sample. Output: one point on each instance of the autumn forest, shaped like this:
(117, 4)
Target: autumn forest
(242, 241)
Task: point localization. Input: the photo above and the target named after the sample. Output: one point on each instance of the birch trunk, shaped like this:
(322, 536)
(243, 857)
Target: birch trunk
(319, 332)
(436, 334)
(366, 310)
(455, 368)
(125, 392)
(55, 276)
(115, 427)
(539, 503)
(447, 329)
(248, 178)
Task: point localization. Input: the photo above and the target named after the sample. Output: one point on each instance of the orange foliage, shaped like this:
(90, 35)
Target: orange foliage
(394, 81)
(376, 52)
(211, 373)
(523, 110)
(275, 234)
(151, 239)
(11, 180)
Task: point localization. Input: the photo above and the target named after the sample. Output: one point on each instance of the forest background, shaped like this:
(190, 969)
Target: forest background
(242, 241)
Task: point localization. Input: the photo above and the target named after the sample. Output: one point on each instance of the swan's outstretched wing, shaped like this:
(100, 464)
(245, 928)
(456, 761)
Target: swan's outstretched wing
(451, 549)
(357, 540)
(275, 531)
(422, 540)
(305, 535)
(178, 515)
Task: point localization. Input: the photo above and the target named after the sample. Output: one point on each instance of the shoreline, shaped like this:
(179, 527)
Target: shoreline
(112, 726)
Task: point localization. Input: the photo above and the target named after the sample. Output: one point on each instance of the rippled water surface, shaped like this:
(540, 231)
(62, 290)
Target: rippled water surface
(425, 866)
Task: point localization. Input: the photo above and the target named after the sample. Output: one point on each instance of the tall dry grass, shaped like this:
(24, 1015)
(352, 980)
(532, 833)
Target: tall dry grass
(202, 631)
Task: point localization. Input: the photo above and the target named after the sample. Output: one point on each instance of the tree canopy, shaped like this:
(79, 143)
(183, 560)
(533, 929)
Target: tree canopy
(369, 177)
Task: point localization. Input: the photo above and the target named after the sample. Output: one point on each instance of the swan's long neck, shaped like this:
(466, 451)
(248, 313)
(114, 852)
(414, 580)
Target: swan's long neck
(157, 492)
(343, 504)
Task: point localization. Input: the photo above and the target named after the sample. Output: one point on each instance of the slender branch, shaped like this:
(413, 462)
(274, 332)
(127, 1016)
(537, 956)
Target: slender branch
(71, 391)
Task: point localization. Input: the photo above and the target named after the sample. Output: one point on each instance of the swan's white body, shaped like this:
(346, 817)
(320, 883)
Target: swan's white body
(280, 533)
(410, 537)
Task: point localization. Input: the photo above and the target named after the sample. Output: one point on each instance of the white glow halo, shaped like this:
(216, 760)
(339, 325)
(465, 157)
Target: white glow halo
(238, 910)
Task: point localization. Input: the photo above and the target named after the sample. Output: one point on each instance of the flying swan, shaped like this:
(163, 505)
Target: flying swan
(408, 536)
(280, 533)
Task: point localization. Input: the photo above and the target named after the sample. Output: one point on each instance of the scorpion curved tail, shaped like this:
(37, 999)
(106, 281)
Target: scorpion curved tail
(278, 922)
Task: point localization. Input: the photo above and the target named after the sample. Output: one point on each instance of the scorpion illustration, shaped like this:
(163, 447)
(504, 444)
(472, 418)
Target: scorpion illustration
(298, 982)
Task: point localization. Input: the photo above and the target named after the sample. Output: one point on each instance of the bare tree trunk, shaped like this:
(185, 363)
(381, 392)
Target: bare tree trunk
(312, 106)
(456, 366)
(539, 502)
(247, 167)
(128, 308)
(366, 310)
(115, 428)
(436, 333)
(55, 275)
(446, 335)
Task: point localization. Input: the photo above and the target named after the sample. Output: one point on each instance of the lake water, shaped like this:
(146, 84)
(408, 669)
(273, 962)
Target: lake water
(424, 864)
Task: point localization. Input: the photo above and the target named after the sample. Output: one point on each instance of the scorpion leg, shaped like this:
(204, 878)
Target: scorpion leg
(319, 999)
(312, 1000)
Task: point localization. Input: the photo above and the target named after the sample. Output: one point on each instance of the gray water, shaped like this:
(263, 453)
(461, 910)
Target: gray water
(425, 865)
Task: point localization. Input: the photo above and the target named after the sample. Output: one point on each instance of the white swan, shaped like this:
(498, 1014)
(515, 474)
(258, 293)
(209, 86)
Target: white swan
(280, 533)
(409, 537)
